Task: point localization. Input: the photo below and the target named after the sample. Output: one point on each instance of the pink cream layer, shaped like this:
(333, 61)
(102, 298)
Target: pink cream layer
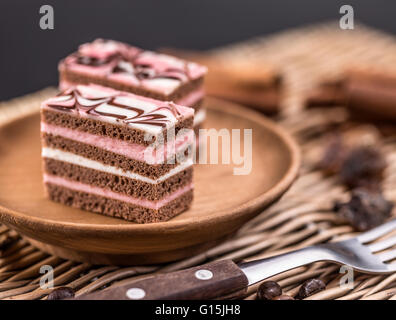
(192, 98)
(77, 186)
(130, 150)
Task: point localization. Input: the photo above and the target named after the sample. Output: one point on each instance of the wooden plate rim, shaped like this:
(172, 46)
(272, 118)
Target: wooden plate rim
(16, 218)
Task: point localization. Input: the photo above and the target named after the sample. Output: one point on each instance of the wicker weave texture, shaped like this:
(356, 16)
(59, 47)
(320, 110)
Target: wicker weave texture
(303, 217)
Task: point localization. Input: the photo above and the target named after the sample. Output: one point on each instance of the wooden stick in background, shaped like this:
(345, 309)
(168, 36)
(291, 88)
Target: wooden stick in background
(248, 82)
(369, 95)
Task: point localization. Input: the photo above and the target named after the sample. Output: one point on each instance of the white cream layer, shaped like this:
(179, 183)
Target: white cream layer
(199, 117)
(72, 158)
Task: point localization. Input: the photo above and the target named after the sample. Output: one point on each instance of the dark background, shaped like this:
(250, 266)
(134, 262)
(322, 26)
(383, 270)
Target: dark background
(29, 55)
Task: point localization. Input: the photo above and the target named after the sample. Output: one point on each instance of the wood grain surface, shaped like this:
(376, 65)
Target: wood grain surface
(223, 201)
(217, 279)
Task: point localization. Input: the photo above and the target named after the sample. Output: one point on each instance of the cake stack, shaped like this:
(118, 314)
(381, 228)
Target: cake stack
(114, 142)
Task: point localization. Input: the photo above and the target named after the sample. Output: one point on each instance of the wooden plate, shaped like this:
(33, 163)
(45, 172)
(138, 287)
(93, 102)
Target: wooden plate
(222, 203)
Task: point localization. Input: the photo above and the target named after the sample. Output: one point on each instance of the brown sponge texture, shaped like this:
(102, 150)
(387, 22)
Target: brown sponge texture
(118, 209)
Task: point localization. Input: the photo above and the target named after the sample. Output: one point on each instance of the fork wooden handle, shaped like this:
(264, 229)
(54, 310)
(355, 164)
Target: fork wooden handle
(208, 281)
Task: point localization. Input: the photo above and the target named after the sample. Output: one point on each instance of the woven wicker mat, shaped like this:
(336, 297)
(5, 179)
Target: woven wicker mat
(303, 217)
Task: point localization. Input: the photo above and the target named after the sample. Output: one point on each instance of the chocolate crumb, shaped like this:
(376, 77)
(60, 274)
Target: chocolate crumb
(310, 287)
(61, 293)
(363, 167)
(268, 290)
(365, 210)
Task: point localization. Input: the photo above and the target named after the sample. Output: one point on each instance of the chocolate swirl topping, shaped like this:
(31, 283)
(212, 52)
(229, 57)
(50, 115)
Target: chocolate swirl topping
(92, 61)
(140, 71)
(73, 100)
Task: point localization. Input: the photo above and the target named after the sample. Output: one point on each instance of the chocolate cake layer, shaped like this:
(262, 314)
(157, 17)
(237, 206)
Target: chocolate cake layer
(119, 184)
(153, 171)
(183, 90)
(118, 209)
(105, 129)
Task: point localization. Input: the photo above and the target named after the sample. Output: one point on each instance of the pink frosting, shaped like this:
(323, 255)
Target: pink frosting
(192, 98)
(188, 100)
(93, 91)
(132, 66)
(77, 186)
(130, 150)
(160, 62)
(93, 101)
(104, 49)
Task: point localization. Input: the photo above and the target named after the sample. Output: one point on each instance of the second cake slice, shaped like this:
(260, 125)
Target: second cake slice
(117, 154)
(127, 68)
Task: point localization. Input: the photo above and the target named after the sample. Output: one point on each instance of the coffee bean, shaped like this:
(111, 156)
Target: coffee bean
(61, 293)
(268, 290)
(310, 287)
(283, 297)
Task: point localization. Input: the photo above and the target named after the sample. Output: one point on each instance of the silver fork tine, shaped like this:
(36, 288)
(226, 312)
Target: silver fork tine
(387, 256)
(382, 245)
(377, 232)
(392, 267)
(355, 252)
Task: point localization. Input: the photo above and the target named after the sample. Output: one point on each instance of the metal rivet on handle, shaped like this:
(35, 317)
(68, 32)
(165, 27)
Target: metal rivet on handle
(203, 274)
(135, 293)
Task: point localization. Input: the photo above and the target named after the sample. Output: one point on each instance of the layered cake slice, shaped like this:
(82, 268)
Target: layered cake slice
(117, 153)
(123, 67)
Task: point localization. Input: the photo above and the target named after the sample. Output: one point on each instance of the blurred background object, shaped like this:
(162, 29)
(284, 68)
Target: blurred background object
(251, 82)
(368, 91)
(29, 55)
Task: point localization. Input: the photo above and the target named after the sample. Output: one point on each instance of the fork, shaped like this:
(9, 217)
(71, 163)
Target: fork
(224, 277)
